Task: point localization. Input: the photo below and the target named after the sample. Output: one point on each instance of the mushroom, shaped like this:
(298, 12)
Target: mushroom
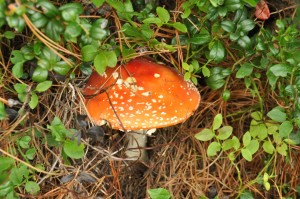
(139, 96)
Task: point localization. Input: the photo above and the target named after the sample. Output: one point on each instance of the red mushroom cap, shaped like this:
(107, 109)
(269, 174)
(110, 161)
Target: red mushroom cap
(144, 95)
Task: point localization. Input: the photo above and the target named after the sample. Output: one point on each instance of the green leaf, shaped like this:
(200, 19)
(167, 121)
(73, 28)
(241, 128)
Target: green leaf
(38, 19)
(104, 59)
(236, 143)
(163, 14)
(247, 155)
(187, 76)
(281, 70)
(244, 71)
(267, 186)
(227, 144)
(43, 86)
(71, 11)
(16, 22)
(23, 142)
(9, 34)
(48, 8)
(217, 51)
(61, 67)
(224, 132)
(202, 38)
(89, 52)
(268, 147)
(17, 174)
(17, 56)
(30, 153)
(3, 116)
(39, 74)
(58, 130)
(98, 3)
(226, 95)
(97, 30)
(17, 69)
(245, 25)
(213, 149)
(73, 30)
(216, 3)
(246, 138)
(20, 88)
(179, 26)
(253, 146)
(257, 115)
(146, 32)
(154, 20)
(34, 100)
(32, 187)
(205, 135)
(285, 129)
(205, 71)
(6, 163)
(54, 29)
(228, 26)
(217, 121)
(186, 13)
(232, 5)
(159, 193)
(262, 131)
(246, 195)
(216, 78)
(282, 149)
(73, 150)
(277, 115)
(244, 42)
(252, 3)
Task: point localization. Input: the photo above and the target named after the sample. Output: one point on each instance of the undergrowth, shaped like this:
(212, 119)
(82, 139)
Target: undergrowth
(49, 48)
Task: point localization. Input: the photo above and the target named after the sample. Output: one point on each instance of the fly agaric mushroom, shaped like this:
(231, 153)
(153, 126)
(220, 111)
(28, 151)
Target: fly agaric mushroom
(139, 96)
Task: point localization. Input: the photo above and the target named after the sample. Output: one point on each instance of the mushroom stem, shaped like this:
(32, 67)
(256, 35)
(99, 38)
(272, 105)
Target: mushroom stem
(136, 145)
